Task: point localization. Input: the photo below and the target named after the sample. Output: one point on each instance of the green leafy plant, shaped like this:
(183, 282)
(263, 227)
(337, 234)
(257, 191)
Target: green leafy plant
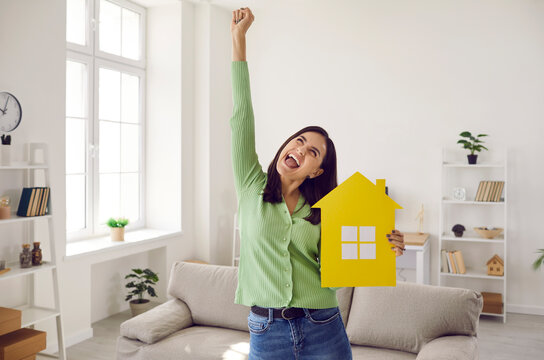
(117, 223)
(473, 143)
(538, 262)
(140, 284)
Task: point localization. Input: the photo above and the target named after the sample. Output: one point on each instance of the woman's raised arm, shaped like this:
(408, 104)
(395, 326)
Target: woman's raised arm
(247, 170)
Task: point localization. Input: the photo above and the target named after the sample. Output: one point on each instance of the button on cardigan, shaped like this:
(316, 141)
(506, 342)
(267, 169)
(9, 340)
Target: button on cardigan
(278, 251)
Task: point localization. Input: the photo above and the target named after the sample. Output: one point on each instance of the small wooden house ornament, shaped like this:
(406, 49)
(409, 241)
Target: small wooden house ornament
(355, 218)
(495, 266)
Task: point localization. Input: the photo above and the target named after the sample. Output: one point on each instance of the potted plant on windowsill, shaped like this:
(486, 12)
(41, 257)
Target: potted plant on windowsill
(474, 144)
(141, 281)
(117, 228)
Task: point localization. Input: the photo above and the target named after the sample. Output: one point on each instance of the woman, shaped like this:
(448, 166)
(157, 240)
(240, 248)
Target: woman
(292, 316)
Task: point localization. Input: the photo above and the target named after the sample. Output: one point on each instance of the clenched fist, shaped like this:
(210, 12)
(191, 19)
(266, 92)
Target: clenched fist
(241, 21)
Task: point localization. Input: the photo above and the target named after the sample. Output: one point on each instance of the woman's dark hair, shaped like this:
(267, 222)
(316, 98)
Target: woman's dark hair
(312, 189)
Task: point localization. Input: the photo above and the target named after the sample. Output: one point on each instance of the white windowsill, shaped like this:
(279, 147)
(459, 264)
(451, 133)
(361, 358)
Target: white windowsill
(102, 244)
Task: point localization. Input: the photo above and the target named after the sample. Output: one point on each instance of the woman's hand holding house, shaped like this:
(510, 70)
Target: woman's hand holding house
(396, 238)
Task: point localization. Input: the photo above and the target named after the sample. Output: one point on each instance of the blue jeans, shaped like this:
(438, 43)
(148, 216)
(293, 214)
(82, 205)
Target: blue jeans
(317, 336)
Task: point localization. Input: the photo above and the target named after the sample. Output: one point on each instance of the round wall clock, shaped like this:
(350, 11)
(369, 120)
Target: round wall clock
(459, 194)
(10, 112)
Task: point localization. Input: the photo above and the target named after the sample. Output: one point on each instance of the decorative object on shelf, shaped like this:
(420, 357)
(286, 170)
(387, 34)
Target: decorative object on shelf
(5, 156)
(495, 266)
(540, 260)
(117, 228)
(489, 191)
(141, 281)
(492, 302)
(36, 254)
(5, 209)
(488, 233)
(458, 230)
(25, 258)
(474, 144)
(459, 194)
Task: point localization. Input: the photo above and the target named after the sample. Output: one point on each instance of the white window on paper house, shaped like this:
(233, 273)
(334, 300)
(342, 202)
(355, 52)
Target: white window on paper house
(358, 246)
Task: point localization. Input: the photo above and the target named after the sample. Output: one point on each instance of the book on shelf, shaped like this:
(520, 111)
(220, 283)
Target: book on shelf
(34, 201)
(453, 262)
(489, 191)
(444, 262)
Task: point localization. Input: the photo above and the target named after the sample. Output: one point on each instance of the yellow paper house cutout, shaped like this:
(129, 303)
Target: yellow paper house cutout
(355, 218)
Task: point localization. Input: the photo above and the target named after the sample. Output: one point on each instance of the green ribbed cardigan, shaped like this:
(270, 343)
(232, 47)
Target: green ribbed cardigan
(279, 252)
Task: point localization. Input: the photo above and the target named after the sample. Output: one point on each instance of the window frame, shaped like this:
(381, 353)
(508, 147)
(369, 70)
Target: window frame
(89, 109)
(112, 57)
(94, 59)
(102, 230)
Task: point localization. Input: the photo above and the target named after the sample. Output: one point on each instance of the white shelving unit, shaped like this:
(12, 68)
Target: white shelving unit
(31, 313)
(456, 172)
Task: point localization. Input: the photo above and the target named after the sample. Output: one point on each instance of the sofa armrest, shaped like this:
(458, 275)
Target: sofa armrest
(458, 347)
(158, 322)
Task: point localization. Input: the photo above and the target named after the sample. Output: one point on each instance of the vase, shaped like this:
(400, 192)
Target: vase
(36, 254)
(472, 159)
(118, 234)
(5, 158)
(5, 212)
(25, 258)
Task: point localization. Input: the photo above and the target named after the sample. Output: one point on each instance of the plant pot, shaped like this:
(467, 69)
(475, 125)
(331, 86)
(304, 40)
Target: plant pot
(139, 308)
(472, 159)
(118, 234)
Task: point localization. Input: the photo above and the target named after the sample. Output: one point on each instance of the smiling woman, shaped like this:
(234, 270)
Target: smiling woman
(279, 275)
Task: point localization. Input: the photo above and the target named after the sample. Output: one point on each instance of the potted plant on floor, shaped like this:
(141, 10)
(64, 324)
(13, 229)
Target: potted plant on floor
(117, 228)
(474, 144)
(538, 262)
(140, 283)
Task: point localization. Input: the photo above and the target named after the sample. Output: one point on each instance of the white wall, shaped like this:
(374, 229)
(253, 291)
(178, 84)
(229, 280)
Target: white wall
(215, 202)
(393, 82)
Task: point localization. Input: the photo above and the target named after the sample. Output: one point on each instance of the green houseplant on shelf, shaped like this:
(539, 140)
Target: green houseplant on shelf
(117, 228)
(472, 143)
(141, 282)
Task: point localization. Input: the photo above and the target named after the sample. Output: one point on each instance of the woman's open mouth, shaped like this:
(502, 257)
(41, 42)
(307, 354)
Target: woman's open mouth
(291, 161)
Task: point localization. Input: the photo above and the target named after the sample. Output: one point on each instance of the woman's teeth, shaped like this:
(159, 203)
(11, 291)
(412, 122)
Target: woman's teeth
(294, 158)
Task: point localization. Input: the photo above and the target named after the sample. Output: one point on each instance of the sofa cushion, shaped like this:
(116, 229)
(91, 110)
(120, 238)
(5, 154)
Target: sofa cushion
(381, 316)
(208, 291)
(158, 322)
(193, 343)
(450, 347)
(344, 302)
(372, 353)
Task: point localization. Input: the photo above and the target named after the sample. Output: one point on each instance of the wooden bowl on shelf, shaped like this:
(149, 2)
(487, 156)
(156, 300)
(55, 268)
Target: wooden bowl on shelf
(488, 233)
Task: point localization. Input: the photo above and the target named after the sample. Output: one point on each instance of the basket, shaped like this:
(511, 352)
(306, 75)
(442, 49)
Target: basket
(488, 233)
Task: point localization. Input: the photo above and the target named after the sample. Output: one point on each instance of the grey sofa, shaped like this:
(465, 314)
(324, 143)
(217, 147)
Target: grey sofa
(409, 321)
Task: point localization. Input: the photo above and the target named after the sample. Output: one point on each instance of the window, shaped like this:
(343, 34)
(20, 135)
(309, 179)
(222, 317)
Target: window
(360, 246)
(105, 82)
